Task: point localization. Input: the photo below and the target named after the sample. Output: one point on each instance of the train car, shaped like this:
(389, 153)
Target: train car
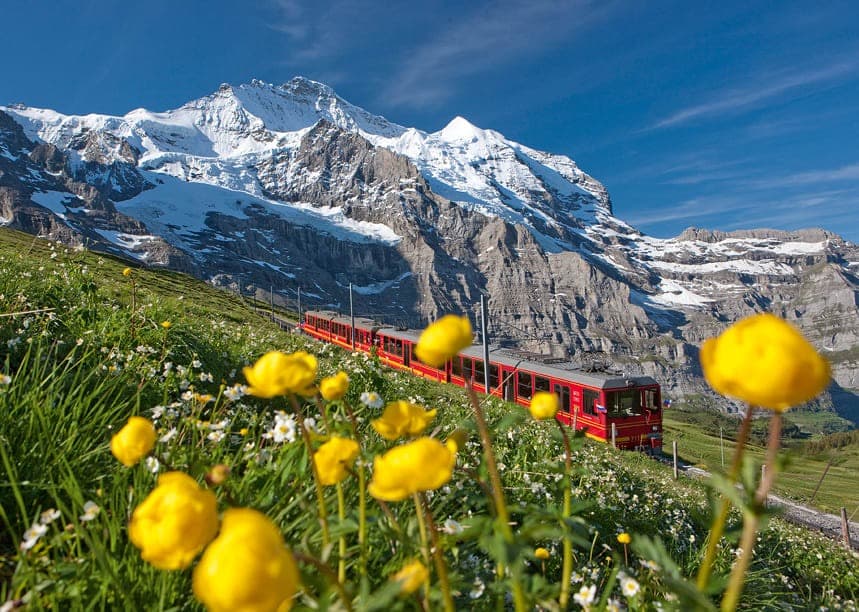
(605, 405)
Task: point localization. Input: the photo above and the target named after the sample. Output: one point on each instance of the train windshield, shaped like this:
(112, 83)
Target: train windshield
(623, 403)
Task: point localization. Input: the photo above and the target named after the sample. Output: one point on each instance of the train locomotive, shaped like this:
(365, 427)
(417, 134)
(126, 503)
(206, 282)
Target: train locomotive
(609, 407)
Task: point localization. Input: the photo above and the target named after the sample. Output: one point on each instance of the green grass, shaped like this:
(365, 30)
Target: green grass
(802, 473)
(87, 361)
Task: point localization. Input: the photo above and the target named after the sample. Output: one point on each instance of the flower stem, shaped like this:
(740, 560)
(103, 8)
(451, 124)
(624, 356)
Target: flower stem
(750, 525)
(341, 590)
(718, 526)
(567, 566)
(424, 542)
(503, 517)
(341, 514)
(438, 557)
(320, 498)
(362, 492)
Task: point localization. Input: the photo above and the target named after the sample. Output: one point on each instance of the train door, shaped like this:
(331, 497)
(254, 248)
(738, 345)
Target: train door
(406, 352)
(563, 393)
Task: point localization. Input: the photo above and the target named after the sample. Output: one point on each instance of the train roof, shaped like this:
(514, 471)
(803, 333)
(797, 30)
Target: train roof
(596, 379)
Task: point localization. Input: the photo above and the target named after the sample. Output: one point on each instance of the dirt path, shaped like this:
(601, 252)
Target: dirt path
(828, 524)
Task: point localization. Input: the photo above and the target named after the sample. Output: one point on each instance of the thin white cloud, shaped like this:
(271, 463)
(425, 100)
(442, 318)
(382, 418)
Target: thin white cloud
(486, 38)
(764, 89)
(849, 172)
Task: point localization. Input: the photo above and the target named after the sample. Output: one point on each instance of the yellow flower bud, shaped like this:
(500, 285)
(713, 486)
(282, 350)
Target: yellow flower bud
(276, 373)
(333, 458)
(166, 324)
(247, 567)
(334, 387)
(443, 339)
(766, 362)
(126, 272)
(624, 538)
(218, 474)
(411, 577)
(174, 522)
(134, 441)
(541, 553)
(402, 418)
(544, 405)
(422, 465)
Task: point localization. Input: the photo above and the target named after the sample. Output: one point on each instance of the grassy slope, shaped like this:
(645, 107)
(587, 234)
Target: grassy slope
(840, 487)
(57, 417)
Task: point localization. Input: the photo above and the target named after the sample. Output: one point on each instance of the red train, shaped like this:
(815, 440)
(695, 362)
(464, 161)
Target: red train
(600, 403)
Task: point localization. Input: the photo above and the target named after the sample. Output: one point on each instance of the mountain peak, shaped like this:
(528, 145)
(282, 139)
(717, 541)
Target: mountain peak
(460, 129)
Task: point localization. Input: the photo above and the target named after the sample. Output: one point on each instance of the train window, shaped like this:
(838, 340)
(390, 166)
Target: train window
(525, 384)
(590, 400)
(466, 367)
(457, 366)
(493, 375)
(398, 348)
(541, 383)
(479, 376)
(623, 403)
(649, 399)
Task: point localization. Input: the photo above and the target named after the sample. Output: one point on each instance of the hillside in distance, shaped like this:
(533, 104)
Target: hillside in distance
(261, 186)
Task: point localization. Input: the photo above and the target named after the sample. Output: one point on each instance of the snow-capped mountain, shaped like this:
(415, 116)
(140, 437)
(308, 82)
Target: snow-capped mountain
(291, 185)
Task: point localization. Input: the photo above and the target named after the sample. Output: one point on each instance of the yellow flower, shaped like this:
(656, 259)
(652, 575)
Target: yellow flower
(174, 522)
(166, 324)
(624, 538)
(541, 553)
(247, 567)
(443, 339)
(544, 405)
(334, 387)
(218, 474)
(411, 577)
(134, 441)
(126, 272)
(277, 373)
(422, 465)
(333, 458)
(766, 362)
(402, 418)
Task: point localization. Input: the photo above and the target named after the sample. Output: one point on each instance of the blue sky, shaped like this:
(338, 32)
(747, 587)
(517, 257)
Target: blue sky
(721, 115)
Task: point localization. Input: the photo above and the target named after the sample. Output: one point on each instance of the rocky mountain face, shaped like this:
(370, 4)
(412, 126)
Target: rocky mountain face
(280, 187)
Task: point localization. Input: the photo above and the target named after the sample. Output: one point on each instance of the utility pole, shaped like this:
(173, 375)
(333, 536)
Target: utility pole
(722, 446)
(351, 317)
(271, 298)
(484, 317)
(299, 305)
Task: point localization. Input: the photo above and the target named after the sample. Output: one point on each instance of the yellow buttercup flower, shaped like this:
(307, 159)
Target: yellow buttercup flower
(541, 553)
(174, 522)
(126, 272)
(334, 387)
(333, 458)
(411, 577)
(166, 324)
(766, 362)
(624, 538)
(277, 373)
(443, 339)
(544, 405)
(134, 441)
(247, 567)
(422, 465)
(402, 418)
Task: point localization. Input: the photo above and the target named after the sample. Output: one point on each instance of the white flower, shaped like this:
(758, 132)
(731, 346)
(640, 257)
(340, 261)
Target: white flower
(236, 392)
(216, 436)
(32, 535)
(629, 586)
(91, 510)
(585, 596)
(206, 377)
(451, 527)
(220, 425)
(477, 589)
(613, 605)
(171, 433)
(196, 363)
(284, 428)
(5, 379)
(371, 399)
(152, 464)
(310, 424)
(49, 516)
(157, 412)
